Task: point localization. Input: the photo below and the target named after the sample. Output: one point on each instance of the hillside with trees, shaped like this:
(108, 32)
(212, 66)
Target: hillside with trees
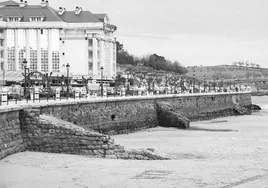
(154, 61)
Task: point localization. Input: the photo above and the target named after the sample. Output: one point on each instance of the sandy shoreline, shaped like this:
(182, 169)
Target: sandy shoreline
(199, 159)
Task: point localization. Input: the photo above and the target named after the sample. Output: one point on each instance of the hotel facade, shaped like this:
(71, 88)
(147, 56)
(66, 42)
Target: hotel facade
(50, 39)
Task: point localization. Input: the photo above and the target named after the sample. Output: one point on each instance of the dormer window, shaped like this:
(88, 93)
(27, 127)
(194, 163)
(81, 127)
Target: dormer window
(13, 19)
(36, 19)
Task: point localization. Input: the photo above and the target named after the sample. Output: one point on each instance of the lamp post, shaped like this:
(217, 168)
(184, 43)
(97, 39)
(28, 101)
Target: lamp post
(25, 76)
(214, 80)
(204, 83)
(68, 69)
(222, 84)
(193, 83)
(181, 84)
(127, 82)
(101, 81)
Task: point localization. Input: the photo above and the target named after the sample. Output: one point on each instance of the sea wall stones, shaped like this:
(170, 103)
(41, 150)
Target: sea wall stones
(123, 115)
(111, 116)
(33, 127)
(168, 117)
(49, 134)
(10, 133)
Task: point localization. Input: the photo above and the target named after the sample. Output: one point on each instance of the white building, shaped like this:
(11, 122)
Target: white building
(49, 39)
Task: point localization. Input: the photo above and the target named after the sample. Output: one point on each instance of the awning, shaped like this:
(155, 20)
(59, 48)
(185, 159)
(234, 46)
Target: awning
(12, 76)
(16, 76)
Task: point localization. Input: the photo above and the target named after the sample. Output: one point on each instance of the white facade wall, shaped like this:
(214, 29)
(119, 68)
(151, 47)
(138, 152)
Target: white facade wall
(73, 48)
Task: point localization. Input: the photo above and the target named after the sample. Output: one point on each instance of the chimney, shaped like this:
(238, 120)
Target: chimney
(47, 3)
(43, 3)
(61, 11)
(78, 10)
(22, 3)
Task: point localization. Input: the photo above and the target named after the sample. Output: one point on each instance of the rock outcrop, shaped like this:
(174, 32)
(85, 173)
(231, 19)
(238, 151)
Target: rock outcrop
(167, 116)
(255, 107)
(137, 154)
(240, 110)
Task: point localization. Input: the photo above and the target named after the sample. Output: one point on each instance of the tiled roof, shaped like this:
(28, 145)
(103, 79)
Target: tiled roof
(84, 16)
(12, 9)
(9, 3)
(30, 11)
(101, 16)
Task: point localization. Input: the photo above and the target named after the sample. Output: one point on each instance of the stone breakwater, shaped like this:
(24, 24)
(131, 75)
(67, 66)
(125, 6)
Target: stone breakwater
(79, 127)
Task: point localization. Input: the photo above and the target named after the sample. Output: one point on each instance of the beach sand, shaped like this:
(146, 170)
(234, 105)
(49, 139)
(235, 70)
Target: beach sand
(226, 159)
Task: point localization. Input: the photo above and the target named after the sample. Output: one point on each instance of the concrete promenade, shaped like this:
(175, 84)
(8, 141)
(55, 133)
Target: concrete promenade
(13, 103)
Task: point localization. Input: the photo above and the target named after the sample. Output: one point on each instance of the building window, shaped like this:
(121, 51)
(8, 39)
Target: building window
(10, 49)
(36, 19)
(33, 49)
(2, 54)
(2, 65)
(55, 50)
(90, 42)
(21, 46)
(13, 19)
(44, 50)
(1, 31)
(1, 42)
(99, 54)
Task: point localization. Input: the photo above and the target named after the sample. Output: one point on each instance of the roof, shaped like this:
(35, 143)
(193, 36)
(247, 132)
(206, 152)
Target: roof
(12, 9)
(101, 17)
(84, 16)
(30, 11)
(9, 3)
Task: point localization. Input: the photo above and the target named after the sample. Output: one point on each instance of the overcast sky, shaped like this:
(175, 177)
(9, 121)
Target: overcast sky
(194, 32)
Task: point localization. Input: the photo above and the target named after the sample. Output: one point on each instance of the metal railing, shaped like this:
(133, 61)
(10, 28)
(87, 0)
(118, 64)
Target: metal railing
(6, 101)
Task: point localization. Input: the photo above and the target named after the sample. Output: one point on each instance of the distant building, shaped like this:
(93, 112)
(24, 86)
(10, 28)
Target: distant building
(49, 39)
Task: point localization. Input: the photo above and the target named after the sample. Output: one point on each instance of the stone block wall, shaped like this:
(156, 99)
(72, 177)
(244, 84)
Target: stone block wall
(49, 134)
(209, 106)
(107, 117)
(10, 134)
(116, 116)
(23, 128)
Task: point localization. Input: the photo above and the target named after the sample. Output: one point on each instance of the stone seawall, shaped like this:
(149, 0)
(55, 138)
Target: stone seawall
(122, 115)
(111, 116)
(10, 133)
(28, 128)
(49, 134)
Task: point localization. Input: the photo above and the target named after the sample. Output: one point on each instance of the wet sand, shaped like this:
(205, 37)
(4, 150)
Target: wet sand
(200, 158)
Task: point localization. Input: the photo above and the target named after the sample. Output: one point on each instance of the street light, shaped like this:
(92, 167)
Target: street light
(204, 83)
(101, 81)
(214, 84)
(127, 82)
(68, 69)
(25, 76)
(222, 84)
(193, 83)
